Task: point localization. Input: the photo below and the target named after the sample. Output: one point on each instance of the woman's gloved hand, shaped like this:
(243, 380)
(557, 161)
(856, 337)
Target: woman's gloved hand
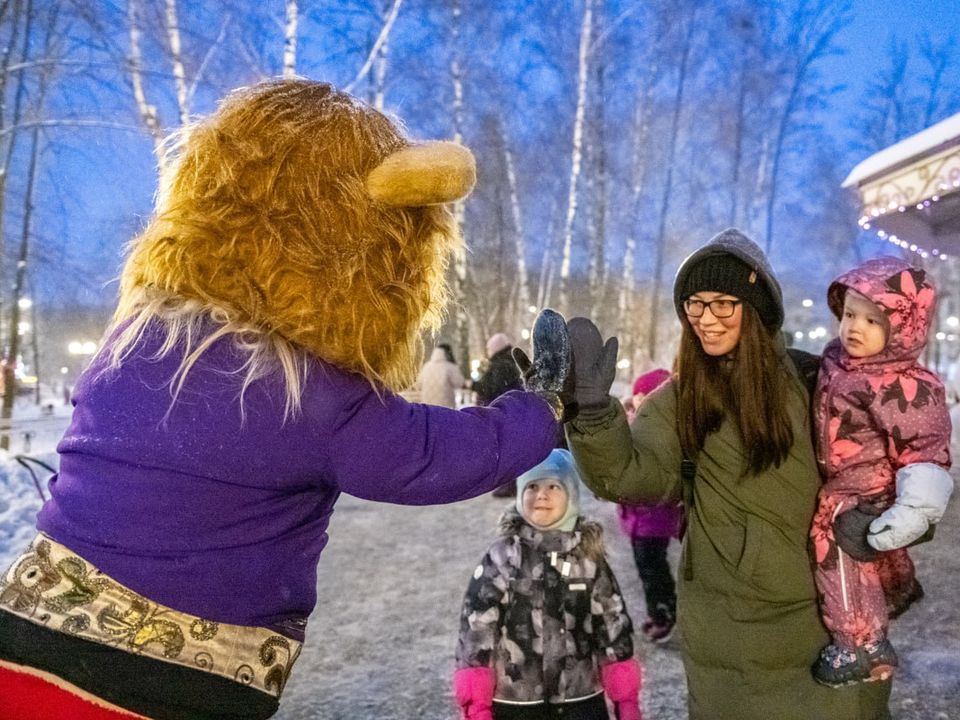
(550, 371)
(594, 363)
(923, 490)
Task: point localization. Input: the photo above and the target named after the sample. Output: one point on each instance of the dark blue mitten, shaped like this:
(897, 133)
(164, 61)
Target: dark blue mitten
(550, 370)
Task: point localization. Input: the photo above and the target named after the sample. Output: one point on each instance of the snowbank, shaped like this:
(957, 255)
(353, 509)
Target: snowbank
(19, 503)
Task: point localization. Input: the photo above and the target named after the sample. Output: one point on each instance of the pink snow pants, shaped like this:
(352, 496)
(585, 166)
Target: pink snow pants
(853, 600)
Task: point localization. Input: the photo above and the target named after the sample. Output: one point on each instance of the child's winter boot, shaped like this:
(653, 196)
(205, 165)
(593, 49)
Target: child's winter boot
(838, 666)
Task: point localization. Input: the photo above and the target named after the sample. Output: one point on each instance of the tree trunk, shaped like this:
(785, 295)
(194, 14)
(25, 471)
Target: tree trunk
(597, 265)
(388, 21)
(148, 112)
(626, 317)
(668, 191)
(290, 41)
(520, 245)
(586, 26)
(461, 319)
(176, 59)
(13, 350)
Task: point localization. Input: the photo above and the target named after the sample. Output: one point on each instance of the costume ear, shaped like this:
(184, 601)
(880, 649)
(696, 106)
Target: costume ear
(432, 173)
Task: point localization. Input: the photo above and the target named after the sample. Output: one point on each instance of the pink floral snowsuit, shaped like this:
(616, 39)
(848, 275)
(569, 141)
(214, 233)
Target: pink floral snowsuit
(874, 415)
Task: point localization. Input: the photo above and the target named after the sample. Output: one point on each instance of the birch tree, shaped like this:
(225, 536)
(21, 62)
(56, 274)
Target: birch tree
(812, 29)
(378, 56)
(516, 217)
(664, 209)
(460, 288)
(290, 40)
(640, 136)
(147, 111)
(586, 27)
(11, 357)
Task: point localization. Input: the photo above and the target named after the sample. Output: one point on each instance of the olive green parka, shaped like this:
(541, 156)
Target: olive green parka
(746, 601)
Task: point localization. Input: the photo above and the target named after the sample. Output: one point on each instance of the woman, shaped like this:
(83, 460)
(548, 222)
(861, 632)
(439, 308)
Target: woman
(737, 417)
(439, 379)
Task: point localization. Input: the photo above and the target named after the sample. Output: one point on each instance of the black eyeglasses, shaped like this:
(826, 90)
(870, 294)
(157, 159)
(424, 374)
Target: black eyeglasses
(722, 308)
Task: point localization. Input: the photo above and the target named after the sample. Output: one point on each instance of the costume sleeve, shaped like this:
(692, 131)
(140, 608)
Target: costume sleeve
(386, 449)
(638, 463)
(612, 628)
(480, 616)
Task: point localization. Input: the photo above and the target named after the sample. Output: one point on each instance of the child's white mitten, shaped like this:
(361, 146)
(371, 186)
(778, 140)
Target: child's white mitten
(923, 490)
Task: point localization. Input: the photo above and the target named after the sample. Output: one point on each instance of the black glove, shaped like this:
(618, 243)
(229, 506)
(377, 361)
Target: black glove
(850, 530)
(594, 363)
(550, 371)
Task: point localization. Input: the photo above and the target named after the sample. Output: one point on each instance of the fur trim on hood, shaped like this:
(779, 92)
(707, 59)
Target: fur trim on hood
(904, 294)
(591, 545)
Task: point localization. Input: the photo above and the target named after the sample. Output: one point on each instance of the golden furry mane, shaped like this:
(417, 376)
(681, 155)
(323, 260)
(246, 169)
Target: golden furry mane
(263, 214)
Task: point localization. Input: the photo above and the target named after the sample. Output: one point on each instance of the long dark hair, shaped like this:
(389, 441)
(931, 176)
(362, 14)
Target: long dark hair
(748, 387)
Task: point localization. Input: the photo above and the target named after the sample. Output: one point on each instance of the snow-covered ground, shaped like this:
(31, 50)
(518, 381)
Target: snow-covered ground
(380, 644)
(34, 432)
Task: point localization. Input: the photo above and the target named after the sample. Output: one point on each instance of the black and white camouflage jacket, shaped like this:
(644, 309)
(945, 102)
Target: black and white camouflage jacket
(544, 610)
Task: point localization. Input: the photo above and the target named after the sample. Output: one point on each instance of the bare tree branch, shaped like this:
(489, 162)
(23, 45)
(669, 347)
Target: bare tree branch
(381, 39)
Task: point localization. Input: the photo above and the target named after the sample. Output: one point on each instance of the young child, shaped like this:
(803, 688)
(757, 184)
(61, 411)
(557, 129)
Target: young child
(543, 628)
(650, 528)
(884, 447)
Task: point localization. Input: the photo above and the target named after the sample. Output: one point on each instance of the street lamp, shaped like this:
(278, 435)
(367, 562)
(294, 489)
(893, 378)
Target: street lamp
(82, 347)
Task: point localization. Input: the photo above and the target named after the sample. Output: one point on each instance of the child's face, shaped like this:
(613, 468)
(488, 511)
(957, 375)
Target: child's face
(544, 502)
(863, 328)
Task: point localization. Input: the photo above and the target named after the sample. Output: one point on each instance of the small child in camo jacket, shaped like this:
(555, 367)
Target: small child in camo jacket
(543, 629)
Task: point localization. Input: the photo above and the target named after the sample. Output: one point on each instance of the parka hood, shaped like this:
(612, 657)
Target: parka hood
(733, 242)
(904, 294)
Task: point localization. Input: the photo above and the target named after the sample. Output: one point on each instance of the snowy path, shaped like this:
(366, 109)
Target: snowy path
(380, 644)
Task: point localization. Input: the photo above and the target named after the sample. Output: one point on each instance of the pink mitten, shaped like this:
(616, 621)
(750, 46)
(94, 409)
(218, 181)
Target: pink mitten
(621, 683)
(473, 687)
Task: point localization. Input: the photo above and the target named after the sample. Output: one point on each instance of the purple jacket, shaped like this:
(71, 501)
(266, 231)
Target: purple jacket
(224, 516)
(644, 521)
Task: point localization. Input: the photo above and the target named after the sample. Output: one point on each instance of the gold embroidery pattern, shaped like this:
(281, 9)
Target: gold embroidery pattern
(53, 587)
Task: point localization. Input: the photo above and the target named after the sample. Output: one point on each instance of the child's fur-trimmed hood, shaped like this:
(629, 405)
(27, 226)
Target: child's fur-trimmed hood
(591, 543)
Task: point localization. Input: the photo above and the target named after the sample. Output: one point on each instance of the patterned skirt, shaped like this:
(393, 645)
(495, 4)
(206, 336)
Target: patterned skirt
(90, 636)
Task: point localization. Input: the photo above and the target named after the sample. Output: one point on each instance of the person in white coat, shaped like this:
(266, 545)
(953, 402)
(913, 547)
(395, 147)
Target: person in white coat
(439, 380)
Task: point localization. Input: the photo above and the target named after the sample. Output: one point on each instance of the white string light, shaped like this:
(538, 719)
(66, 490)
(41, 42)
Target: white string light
(864, 223)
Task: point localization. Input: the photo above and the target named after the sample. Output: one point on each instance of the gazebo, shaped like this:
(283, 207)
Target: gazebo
(910, 191)
(910, 196)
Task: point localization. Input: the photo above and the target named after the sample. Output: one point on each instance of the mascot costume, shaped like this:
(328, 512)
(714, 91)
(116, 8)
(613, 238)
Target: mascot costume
(268, 314)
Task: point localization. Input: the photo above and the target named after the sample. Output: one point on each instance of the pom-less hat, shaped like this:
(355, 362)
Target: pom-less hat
(558, 466)
(497, 343)
(731, 263)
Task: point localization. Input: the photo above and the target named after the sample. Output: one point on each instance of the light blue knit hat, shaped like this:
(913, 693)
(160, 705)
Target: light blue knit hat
(558, 466)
